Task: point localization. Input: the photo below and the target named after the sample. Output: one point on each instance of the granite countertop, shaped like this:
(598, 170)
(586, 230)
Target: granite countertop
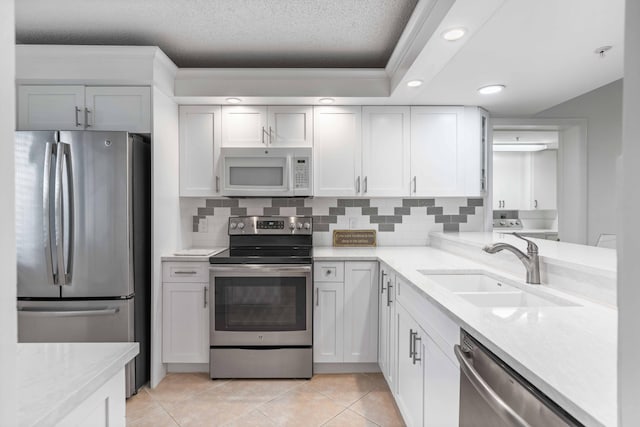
(570, 353)
(54, 378)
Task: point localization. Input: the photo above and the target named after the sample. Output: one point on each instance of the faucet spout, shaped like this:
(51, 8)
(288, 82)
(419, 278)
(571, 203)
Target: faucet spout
(529, 260)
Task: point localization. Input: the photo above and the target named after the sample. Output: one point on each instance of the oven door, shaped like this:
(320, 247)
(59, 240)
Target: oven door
(261, 305)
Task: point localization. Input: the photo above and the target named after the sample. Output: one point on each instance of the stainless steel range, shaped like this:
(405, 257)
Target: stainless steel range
(261, 300)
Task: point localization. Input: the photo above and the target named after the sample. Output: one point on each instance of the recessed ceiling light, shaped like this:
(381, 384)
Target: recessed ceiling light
(414, 83)
(454, 34)
(488, 90)
(326, 100)
(234, 100)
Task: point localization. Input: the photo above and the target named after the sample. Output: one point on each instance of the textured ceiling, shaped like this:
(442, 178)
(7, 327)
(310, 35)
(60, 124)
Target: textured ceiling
(227, 33)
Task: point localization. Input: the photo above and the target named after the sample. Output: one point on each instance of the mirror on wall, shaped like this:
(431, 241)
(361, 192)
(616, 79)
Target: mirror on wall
(525, 182)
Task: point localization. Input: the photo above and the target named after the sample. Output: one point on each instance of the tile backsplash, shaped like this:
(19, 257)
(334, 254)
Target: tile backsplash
(398, 221)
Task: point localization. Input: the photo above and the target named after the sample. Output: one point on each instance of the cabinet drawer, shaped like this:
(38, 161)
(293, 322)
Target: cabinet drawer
(328, 272)
(185, 272)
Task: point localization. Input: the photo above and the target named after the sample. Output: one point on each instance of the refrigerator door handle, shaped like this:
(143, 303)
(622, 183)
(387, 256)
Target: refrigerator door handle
(46, 212)
(71, 204)
(67, 313)
(58, 220)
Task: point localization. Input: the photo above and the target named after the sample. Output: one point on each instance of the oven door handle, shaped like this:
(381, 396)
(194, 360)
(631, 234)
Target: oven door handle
(263, 268)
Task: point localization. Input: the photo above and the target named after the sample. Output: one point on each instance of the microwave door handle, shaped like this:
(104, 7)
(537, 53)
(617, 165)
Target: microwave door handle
(289, 176)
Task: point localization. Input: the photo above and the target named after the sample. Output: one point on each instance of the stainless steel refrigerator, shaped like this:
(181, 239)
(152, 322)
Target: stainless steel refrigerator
(83, 240)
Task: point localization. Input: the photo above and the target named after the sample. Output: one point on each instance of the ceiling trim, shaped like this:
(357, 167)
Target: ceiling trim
(349, 82)
(426, 18)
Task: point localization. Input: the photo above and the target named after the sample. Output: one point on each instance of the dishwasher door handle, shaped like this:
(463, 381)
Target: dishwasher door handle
(488, 394)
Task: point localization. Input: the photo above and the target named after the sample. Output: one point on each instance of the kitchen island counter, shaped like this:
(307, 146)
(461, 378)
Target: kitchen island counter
(54, 379)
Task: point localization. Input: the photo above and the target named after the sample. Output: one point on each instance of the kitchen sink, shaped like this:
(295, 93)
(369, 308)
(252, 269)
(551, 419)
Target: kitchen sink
(513, 299)
(469, 282)
(486, 291)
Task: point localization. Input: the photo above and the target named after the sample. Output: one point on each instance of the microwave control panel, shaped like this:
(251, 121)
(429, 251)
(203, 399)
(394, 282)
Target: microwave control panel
(301, 172)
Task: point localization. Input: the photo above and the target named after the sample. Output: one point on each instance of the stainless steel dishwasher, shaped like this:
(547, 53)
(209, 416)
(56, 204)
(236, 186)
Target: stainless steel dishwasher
(494, 395)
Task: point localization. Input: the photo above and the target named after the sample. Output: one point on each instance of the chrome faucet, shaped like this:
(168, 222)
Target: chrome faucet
(530, 260)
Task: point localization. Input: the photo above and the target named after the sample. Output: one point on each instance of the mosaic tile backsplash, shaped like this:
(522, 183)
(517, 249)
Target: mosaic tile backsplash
(398, 221)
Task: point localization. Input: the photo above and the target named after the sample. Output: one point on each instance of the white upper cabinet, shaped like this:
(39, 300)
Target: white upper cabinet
(290, 126)
(199, 150)
(544, 179)
(337, 151)
(50, 107)
(448, 151)
(437, 151)
(386, 151)
(509, 187)
(105, 108)
(244, 126)
(118, 108)
(261, 126)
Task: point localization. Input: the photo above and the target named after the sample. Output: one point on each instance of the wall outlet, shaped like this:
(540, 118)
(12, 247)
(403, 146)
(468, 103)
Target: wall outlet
(353, 223)
(203, 225)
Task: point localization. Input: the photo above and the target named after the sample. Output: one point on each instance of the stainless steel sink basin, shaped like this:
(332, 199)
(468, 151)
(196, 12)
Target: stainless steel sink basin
(486, 291)
(469, 282)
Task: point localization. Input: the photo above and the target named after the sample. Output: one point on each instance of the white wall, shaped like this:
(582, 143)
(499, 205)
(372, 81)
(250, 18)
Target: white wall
(629, 230)
(602, 108)
(165, 212)
(8, 335)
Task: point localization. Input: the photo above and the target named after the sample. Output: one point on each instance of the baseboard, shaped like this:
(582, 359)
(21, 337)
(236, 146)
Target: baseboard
(187, 367)
(345, 368)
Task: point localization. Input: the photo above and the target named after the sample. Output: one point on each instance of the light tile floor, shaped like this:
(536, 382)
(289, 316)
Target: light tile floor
(326, 400)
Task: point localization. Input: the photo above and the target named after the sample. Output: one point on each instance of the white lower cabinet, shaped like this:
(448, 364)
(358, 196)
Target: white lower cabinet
(185, 322)
(345, 312)
(410, 381)
(386, 327)
(441, 387)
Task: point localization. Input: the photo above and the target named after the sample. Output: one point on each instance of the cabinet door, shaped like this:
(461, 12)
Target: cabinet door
(185, 322)
(437, 168)
(442, 387)
(410, 391)
(125, 108)
(244, 126)
(328, 322)
(474, 151)
(360, 312)
(50, 107)
(509, 189)
(199, 150)
(544, 179)
(386, 151)
(337, 151)
(290, 126)
(383, 324)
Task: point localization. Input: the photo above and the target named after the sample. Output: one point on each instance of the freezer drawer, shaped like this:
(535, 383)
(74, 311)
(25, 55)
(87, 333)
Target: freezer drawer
(75, 321)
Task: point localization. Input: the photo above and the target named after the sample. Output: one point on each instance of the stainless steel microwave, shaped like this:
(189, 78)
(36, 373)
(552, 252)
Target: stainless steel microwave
(267, 172)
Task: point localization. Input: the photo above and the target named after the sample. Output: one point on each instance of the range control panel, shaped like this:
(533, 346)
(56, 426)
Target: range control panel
(284, 225)
(513, 224)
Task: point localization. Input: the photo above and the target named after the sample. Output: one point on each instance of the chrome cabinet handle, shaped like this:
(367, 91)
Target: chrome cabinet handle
(317, 297)
(78, 124)
(365, 184)
(535, 204)
(185, 272)
(389, 286)
(415, 187)
(382, 288)
(270, 136)
(358, 185)
(46, 211)
(411, 343)
(488, 394)
(217, 184)
(263, 132)
(86, 117)
(415, 348)
(205, 296)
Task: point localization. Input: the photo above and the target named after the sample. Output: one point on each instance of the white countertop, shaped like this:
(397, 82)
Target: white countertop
(193, 258)
(54, 378)
(567, 352)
